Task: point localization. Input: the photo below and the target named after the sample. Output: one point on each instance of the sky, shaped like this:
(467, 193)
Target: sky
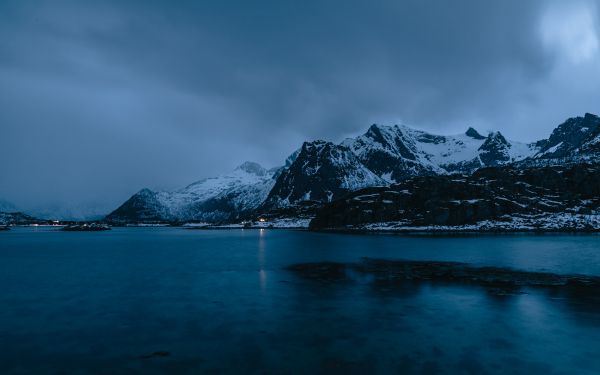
(99, 99)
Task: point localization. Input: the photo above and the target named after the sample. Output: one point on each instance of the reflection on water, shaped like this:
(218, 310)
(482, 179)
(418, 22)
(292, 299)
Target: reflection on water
(223, 302)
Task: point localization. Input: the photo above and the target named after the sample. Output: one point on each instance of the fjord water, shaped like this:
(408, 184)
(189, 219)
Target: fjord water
(171, 300)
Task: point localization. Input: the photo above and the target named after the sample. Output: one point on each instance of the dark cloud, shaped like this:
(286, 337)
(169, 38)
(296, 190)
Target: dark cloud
(101, 98)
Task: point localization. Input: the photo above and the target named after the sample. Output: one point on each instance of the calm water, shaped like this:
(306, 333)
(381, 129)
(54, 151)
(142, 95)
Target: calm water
(222, 302)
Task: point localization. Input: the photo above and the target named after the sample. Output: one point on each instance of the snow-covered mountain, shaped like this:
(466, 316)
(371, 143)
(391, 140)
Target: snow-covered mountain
(69, 211)
(397, 152)
(324, 171)
(225, 197)
(321, 171)
(575, 140)
(10, 215)
(6, 206)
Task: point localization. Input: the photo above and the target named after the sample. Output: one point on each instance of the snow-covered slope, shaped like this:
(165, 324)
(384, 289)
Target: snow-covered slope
(213, 199)
(398, 152)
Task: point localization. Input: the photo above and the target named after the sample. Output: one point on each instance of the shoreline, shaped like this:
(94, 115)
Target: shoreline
(410, 231)
(458, 231)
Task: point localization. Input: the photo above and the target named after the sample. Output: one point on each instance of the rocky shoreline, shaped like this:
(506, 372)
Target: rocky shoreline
(554, 198)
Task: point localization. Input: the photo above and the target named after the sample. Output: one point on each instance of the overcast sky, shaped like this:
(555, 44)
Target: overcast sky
(101, 98)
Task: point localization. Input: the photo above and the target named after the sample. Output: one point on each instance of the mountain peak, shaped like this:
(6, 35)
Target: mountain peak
(471, 132)
(497, 137)
(146, 192)
(494, 150)
(375, 133)
(316, 142)
(314, 147)
(374, 127)
(252, 168)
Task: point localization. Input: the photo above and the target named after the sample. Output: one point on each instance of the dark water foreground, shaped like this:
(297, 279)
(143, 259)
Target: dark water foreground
(162, 300)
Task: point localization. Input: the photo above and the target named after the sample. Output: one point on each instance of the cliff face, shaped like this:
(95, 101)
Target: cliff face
(322, 172)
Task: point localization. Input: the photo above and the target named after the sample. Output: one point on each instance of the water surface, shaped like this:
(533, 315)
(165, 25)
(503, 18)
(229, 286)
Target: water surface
(221, 301)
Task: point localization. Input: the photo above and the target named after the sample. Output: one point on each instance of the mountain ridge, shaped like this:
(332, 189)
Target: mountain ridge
(320, 171)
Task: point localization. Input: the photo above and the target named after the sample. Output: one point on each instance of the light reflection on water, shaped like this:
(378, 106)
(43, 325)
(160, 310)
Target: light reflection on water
(221, 301)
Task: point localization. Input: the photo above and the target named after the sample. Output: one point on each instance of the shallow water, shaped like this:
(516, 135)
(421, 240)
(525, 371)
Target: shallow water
(222, 301)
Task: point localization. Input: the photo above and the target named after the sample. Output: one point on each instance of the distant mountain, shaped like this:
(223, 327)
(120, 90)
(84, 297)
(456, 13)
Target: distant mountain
(19, 218)
(320, 172)
(6, 206)
(10, 215)
(69, 211)
(222, 198)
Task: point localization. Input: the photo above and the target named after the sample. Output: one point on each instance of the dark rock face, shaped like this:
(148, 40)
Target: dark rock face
(577, 139)
(494, 151)
(398, 169)
(321, 172)
(488, 194)
(395, 143)
(571, 135)
(474, 134)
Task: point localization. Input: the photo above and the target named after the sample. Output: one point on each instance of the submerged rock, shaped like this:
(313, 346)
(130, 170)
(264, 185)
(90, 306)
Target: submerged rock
(157, 354)
(398, 271)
